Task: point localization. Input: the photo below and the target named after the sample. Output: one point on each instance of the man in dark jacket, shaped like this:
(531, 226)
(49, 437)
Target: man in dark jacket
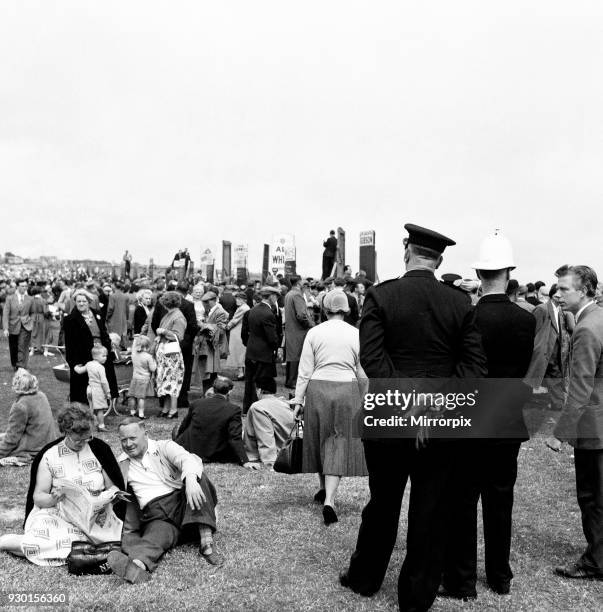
(192, 328)
(486, 466)
(411, 327)
(262, 338)
(213, 429)
(328, 255)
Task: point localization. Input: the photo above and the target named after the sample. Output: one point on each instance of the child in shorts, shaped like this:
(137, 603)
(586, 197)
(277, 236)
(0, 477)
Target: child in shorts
(99, 394)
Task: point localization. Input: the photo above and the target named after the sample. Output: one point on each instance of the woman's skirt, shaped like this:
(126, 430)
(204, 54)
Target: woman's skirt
(237, 350)
(170, 374)
(332, 445)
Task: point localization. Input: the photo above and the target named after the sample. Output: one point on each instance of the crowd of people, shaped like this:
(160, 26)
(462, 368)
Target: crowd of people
(335, 336)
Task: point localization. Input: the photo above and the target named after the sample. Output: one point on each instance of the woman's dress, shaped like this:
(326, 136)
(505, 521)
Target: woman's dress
(48, 535)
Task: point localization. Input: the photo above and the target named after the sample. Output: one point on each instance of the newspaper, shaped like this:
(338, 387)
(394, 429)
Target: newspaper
(91, 514)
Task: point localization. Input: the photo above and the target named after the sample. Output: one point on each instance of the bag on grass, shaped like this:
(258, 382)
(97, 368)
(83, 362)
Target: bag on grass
(290, 457)
(86, 558)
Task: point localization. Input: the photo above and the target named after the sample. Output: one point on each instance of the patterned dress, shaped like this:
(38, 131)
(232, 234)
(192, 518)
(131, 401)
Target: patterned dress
(48, 536)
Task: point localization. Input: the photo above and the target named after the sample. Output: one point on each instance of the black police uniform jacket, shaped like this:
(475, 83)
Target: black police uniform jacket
(508, 339)
(417, 327)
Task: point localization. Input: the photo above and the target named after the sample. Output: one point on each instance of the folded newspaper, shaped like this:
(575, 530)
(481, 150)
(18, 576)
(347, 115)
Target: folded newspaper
(84, 510)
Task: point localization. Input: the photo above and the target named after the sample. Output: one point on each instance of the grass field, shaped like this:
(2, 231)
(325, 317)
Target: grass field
(279, 554)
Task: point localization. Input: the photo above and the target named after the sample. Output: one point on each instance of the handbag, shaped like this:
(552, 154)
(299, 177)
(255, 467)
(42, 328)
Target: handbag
(171, 348)
(90, 559)
(290, 458)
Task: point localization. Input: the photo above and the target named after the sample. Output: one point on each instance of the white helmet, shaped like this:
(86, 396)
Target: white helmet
(495, 253)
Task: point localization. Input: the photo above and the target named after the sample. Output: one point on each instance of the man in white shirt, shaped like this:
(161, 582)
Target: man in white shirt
(171, 494)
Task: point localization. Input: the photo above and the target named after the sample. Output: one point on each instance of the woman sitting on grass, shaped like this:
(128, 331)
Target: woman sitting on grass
(31, 425)
(79, 459)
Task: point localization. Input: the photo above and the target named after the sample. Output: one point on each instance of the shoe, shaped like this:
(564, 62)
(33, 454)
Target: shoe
(320, 496)
(577, 571)
(101, 428)
(344, 581)
(444, 592)
(172, 416)
(502, 588)
(212, 556)
(241, 377)
(142, 418)
(126, 569)
(133, 414)
(329, 515)
(162, 415)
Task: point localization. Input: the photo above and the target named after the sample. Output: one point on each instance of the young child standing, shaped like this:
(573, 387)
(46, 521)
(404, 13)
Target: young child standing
(143, 367)
(99, 394)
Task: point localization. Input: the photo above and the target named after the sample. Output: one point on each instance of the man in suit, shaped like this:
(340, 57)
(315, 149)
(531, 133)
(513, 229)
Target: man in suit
(297, 324)
(212, 340)
(411, 327)
(213, 428)
(17, 324)
(186, 345)
(551, 349)
(328, 255)
(117, 313)
(486, 466)
(581, 422)
(262, 338)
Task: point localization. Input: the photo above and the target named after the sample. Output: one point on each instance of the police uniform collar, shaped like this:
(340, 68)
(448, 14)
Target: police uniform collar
(420, 274)
(494, 297)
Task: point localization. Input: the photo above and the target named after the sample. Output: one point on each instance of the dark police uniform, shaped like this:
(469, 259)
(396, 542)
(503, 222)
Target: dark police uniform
(488, 467)
(415, 327)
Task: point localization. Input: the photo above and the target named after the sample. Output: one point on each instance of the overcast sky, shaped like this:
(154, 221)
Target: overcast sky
(157, 125)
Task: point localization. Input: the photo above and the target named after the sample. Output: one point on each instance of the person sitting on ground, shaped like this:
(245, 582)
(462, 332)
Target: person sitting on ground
(79, 459)
(30, 423)
(212, 429)
(268, 426)
(172, 495)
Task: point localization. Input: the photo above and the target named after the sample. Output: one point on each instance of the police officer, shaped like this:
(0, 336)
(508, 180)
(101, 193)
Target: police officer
(486, 466)
(411, 327)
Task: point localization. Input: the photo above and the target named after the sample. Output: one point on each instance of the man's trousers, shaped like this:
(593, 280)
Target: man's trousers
(487, 470)
(390, 464)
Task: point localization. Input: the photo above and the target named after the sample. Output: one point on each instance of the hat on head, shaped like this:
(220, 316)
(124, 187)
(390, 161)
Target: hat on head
(267, 290)
(336, 301)
(449, 278)
(328, 280)
(495, 253)
(210, 295)
(421, 236)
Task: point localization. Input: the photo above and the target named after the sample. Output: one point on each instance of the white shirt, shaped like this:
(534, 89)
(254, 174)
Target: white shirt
(577, 315)
(556, 311)
(330, 352)
(146, 483)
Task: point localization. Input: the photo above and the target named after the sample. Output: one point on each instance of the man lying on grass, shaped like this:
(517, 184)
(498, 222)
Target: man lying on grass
(172, 495)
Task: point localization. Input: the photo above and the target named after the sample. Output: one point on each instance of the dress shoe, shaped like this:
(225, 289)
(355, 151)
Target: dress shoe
(577, 571)
(126, 569)
(172, 416)
(443, 592)
(329, 515)
(320, 496)
(212, 556)
(501, 588)
(344, 581)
